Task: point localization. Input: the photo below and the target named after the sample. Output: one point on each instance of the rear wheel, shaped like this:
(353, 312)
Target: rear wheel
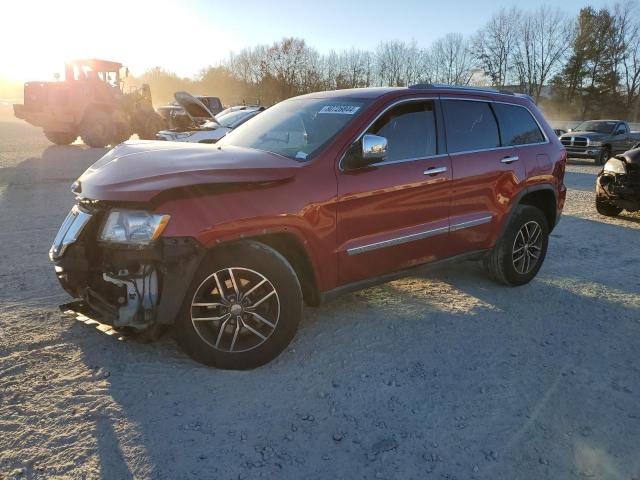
(242, 308)
(605, 208)
(518, 255)
(61, 138)
(97, 129)
(604, 156)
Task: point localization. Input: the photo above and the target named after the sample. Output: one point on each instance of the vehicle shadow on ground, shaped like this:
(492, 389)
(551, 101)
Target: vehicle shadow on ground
(581, 181)
(57, 163)
(430, 367)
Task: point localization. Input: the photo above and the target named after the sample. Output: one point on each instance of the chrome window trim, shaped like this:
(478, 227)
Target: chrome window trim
(544, 134)
(440, 155)
(404, 160)
(390, 106)
(417, 236)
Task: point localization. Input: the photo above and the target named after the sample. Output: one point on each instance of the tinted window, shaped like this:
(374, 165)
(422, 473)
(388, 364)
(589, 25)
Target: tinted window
(517, 125)
(410, 130)
(622, 127)
(470, 126)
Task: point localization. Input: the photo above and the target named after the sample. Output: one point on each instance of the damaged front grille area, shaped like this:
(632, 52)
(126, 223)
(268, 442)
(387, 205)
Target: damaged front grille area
(121, 285)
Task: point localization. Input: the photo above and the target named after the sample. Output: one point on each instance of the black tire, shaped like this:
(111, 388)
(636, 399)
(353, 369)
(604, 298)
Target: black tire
(122, 134)
(605, 208)
(500, 262)
(61, 138)
(97, 129)
(149, 123)
(605, 154)
(248, 262)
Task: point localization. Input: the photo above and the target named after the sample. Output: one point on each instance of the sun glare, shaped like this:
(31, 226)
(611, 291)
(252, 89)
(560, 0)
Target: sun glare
(134, 33)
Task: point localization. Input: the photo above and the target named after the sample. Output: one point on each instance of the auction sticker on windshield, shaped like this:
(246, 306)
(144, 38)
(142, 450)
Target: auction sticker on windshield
(341, 109)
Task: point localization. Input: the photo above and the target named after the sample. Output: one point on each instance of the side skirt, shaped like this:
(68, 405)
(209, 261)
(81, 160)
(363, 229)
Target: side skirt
(370, 282)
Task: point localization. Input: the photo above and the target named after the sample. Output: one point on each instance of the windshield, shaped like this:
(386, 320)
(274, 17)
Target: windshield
(596, 126)
(230, 119)
(295, 128)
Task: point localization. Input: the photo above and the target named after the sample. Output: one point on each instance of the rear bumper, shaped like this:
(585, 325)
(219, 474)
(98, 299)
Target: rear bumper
(59, 122)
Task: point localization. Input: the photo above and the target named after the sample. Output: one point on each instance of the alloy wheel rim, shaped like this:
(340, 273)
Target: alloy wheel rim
(235, 310)
(527, 247)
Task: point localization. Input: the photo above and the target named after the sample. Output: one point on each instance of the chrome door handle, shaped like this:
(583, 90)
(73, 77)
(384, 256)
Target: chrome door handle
(511, 159)
(435, 170)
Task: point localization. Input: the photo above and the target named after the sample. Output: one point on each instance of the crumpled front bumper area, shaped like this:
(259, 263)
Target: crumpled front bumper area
(622, 190)
(134, 287)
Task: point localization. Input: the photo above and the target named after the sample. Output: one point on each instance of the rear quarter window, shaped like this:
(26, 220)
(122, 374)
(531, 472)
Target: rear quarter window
(470, 125)
(517, 125)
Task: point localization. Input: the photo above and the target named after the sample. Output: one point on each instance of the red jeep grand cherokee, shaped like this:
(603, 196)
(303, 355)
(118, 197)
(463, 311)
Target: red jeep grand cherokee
(318, 195)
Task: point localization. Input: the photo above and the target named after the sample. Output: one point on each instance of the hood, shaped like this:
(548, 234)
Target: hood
(590, 135)
(193, 107)
(631, 157)
(138, 171)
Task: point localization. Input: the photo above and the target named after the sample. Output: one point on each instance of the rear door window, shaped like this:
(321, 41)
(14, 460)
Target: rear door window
(410, 130)
(470, 126)
(517, 125)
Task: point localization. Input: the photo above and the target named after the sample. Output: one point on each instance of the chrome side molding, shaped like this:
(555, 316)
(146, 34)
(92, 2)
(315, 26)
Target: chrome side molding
(417, 236)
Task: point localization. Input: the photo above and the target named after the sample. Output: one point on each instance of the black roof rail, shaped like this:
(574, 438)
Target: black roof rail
(458, 87)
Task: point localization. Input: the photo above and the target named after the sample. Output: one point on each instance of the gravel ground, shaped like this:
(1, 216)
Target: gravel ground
(443, 375)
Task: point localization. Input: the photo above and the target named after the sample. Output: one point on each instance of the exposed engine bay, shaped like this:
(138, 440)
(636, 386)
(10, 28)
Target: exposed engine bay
(121, 285)
(618, 185)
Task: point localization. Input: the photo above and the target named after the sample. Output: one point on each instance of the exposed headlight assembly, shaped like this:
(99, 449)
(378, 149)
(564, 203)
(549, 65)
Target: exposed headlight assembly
(133, 227)
(615, 165)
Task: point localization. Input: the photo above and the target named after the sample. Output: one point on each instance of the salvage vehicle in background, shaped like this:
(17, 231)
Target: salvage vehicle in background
(319, 195)
(89, 103)
(599, 139)
(618, 184)
(213, 130)
(177, 118)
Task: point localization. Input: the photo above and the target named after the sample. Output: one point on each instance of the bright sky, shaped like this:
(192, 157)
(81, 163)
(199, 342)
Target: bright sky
(37, 36)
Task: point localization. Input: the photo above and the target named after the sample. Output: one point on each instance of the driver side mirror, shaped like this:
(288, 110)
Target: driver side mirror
(620, 131)
(374, 147)
(370, 149)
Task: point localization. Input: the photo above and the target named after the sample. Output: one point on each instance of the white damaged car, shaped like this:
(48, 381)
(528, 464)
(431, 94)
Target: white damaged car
(206, 127)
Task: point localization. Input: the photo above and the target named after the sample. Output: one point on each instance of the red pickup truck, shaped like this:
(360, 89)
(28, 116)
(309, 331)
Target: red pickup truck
(318, 195)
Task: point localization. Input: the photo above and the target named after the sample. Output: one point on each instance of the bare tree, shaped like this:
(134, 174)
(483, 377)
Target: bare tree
(544, 39)
(451, 60)
(626, 47)
(390, 63)
(492, 46)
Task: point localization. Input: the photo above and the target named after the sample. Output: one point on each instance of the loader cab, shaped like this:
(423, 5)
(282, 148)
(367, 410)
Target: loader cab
(94, 70)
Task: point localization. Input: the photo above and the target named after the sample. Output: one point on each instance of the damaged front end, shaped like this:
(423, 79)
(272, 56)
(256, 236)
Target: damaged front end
(118, 267)
(619, 182)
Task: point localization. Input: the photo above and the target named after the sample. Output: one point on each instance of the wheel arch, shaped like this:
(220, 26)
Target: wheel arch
(292, 248)
(543, 197)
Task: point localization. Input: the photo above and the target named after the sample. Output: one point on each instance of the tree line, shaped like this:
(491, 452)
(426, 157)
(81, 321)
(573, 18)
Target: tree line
(582, 66)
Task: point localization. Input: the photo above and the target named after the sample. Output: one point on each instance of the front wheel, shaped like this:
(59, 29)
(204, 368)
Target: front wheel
(242, 309)
(97, 129)
(607, 209)
(605, 154)
(518, 255)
